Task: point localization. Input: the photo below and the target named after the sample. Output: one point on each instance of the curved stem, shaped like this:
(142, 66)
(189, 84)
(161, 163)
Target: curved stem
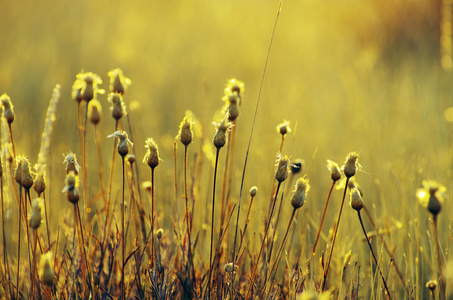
(262, 244)
(326, 272)
(374, 256)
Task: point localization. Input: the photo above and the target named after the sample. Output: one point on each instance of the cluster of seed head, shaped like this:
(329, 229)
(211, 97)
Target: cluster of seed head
(351, 165)
(152, 154)
(356, 201)
(283, 128)
(8, 111)
(118, 107)
(94, 111)
(233, 93)
(432, 196)
(70, 160)
(334, 169)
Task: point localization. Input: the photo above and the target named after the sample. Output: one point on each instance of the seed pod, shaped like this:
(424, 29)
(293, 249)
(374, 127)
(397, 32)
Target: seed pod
(26, 179)
(335, 173)
(432, 196)
(46, 268)
(130, 158)
(35, 217)
(40, 184)
(283, 128)
(282, 168)
(222, 128)
(146, 185)
(94, 111)
(70, 160)
(253, 191)
(118, 83)
(234, 86)
(124, 142)
(8, 111)
(70, 189)
(431, 285)
(159, 233)
(117, 105)
(356, 201)
(152, 155)
(18, 171)
(185, 131)
(233, 111)
(302, 187)
(351, 165)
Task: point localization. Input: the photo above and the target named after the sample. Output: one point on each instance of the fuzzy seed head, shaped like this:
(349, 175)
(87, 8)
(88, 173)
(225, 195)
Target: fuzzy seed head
(89, 85)
(159, 233)
(431, 285)
(94, 111)
(26, 177)
(283, 128)
(185, 131)
(253, 191)
(40, 183)
(35, 217)
(8, 111)
(233, 112)
(351, 165)
(222, 129)
(300, 194)
(356, 201)
(118, 108)
(130, 158)
(146, 185)
(230, 268)
(431, 196)
(70, 160)
(46, 268)
(152, 154)
(123, 143)
(282, 168)
(334, 170)
(18, 171)
(118, 82)
(234, 86)
(72, 182)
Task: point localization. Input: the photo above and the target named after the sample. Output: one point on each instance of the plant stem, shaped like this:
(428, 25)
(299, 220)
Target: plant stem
(123, 287)
(326, 272)
(442, 291)
(374, 256)
(262, 244)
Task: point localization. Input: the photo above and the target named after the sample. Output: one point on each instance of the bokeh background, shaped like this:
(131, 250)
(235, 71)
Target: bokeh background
(371, 76)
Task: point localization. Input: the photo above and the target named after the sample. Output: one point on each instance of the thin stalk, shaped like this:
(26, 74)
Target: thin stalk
(5, 254)
(246, 223)
(109, 198)
(186, 199)
(101, 165)
(252, 280)
(35, 242)
(152, 216)
(47, 221)
(392, 258)
(123, 244)
(212, 222)
(442, 292)
(82, 240)
(18, 242)
(12, 140)
(27, 192)
(326, 272)
(277, 258)
(374, 256)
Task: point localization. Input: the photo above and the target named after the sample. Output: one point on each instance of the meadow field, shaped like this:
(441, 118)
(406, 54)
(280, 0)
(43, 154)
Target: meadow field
(191, 139)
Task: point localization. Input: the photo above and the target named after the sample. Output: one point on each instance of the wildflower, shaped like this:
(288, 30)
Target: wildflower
(351, 165)
(94, 111)
(118, 107)
(230, 268)
(282, 168)
(124, 142)
(335, 173)
(356, 201)
(234, 86)
(72, 182)
(431, 196)
(22, 174)
(302, 188)
(70, 160)
(88, 84)
(152, 155)
(118, 82)
(8, 111)
(185, 131)
(46, 268)
(283, 128)
(253, 191)
(35, 218)
(222, 128)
